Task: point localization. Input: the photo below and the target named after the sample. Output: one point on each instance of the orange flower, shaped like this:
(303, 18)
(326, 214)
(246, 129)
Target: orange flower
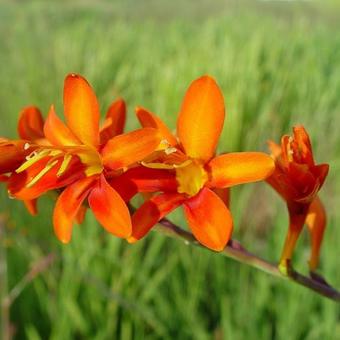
(81, 156)
(191, 161)
(297, 179)
(14, 152)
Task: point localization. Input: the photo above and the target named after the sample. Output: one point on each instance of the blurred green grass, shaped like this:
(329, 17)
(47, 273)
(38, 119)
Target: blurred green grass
(278, 65)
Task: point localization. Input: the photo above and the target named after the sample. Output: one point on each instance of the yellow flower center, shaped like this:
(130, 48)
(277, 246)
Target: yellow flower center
(191, 178)
(92, 160)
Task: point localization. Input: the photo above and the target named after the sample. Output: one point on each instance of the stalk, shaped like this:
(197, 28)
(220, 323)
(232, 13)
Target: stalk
(235, 251)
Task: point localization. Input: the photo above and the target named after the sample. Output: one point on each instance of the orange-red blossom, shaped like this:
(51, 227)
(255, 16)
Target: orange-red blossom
(197, 171)
(80, 156)
(298, 179)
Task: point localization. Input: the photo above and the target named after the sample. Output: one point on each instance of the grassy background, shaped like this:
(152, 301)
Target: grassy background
(277, 64)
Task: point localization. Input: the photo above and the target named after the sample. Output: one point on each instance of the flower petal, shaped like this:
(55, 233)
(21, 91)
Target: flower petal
(223, 194)
(3, 178)
(129, 148)
(316, 221)
(141, 179)
(67, 207)
(30, 124)
(57, 132)
(275, 149)
(201, 118)
(114, 121)
(18, 184)
(31, 206)
(81, 214)
(110, 209)
(12, 154)
(81, 109)
(303, 144)
(240, 167)
(320, 171)
(149, 119)
(209, 219)
(151, 212)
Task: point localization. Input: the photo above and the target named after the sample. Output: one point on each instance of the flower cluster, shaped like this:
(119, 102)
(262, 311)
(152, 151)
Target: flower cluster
(98, 166)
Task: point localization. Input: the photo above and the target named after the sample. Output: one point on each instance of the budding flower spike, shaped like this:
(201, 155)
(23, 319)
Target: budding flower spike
(298, 180)
(98, 166)
(80, 157)
(197, 171)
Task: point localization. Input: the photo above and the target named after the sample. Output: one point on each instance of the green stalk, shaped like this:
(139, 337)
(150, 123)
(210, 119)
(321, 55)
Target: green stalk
(235, 251)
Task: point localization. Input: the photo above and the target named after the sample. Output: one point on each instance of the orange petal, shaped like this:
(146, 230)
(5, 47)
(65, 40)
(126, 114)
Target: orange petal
(18, 182)
(141, 179)
(209, 219)
(114, 121)
(30, 124)
(57, 132)
(320, 171)
(67, 207)
(275, 149)
(129, 148)
(12, 154)
(81, 109)
(201, 118)
(151, 212)
(110, 209)
(223, 194)
(81, 214)
(304, 145)
(3, 178)
(279, 181)
(31, 206)
(316, 221)
(149, 119)
(240, 167)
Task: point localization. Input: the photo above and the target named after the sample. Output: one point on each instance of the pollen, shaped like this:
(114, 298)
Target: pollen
(191, 178)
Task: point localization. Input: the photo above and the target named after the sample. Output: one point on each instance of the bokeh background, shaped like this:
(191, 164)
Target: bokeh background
(278, 64)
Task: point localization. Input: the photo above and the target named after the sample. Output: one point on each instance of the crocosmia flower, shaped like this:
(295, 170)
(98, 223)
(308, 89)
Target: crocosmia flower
(81, 157)
(190, 159)
(298, 179)
(14, 152)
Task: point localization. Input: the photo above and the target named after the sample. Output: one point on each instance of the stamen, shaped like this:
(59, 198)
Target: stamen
(31, 155)
(31, 159)
(47, 168)
(64, 164)
(35, 156)
(26, 146)
(163, 145)
(170, 150)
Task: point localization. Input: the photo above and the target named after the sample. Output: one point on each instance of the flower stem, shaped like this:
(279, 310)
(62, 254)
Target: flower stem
(235, 251)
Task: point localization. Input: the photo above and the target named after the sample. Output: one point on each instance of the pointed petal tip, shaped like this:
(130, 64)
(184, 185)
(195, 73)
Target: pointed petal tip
(201, 118)
(239, 168)
(209, 219)
(64, 240)
(131, 240)
(81, 109)
(30, 123)
(110, 210)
